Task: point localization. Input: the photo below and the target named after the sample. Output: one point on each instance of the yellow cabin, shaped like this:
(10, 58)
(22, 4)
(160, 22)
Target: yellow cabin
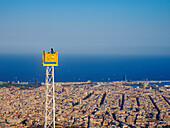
(50, 58)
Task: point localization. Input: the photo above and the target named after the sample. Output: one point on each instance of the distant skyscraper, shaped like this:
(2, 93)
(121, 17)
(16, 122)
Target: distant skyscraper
(103, 107)
(81, 102)
(124, 77)
(145, 84)
(36, 81)
(16, 79)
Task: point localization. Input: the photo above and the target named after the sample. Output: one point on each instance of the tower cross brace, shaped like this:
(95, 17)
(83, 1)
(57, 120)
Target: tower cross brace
(49, 117)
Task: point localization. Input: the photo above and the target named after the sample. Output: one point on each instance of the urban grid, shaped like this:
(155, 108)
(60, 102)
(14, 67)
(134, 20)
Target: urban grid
(88, 104)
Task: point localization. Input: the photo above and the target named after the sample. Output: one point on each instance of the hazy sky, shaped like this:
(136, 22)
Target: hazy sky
(85, 26)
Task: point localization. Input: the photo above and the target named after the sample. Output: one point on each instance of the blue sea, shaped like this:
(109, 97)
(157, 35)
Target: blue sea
(74, 68)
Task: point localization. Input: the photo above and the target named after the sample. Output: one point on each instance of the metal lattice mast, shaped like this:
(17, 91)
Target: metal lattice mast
(49, 117)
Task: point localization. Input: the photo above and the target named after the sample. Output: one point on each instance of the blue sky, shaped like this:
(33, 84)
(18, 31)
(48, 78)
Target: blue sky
(85, 26)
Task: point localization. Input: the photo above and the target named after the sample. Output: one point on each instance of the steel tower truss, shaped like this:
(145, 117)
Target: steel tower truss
(49, 117)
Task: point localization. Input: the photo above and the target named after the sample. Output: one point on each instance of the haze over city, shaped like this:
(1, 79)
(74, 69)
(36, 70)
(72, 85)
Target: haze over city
(85, 27)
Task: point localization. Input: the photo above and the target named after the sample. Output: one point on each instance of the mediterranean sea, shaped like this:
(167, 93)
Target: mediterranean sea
(74, 68)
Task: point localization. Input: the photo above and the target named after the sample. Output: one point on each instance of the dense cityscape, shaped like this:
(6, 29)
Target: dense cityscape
(63, 64)
(87, 104)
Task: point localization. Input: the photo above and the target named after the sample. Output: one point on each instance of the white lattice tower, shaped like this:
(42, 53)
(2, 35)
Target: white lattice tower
(49, 117)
